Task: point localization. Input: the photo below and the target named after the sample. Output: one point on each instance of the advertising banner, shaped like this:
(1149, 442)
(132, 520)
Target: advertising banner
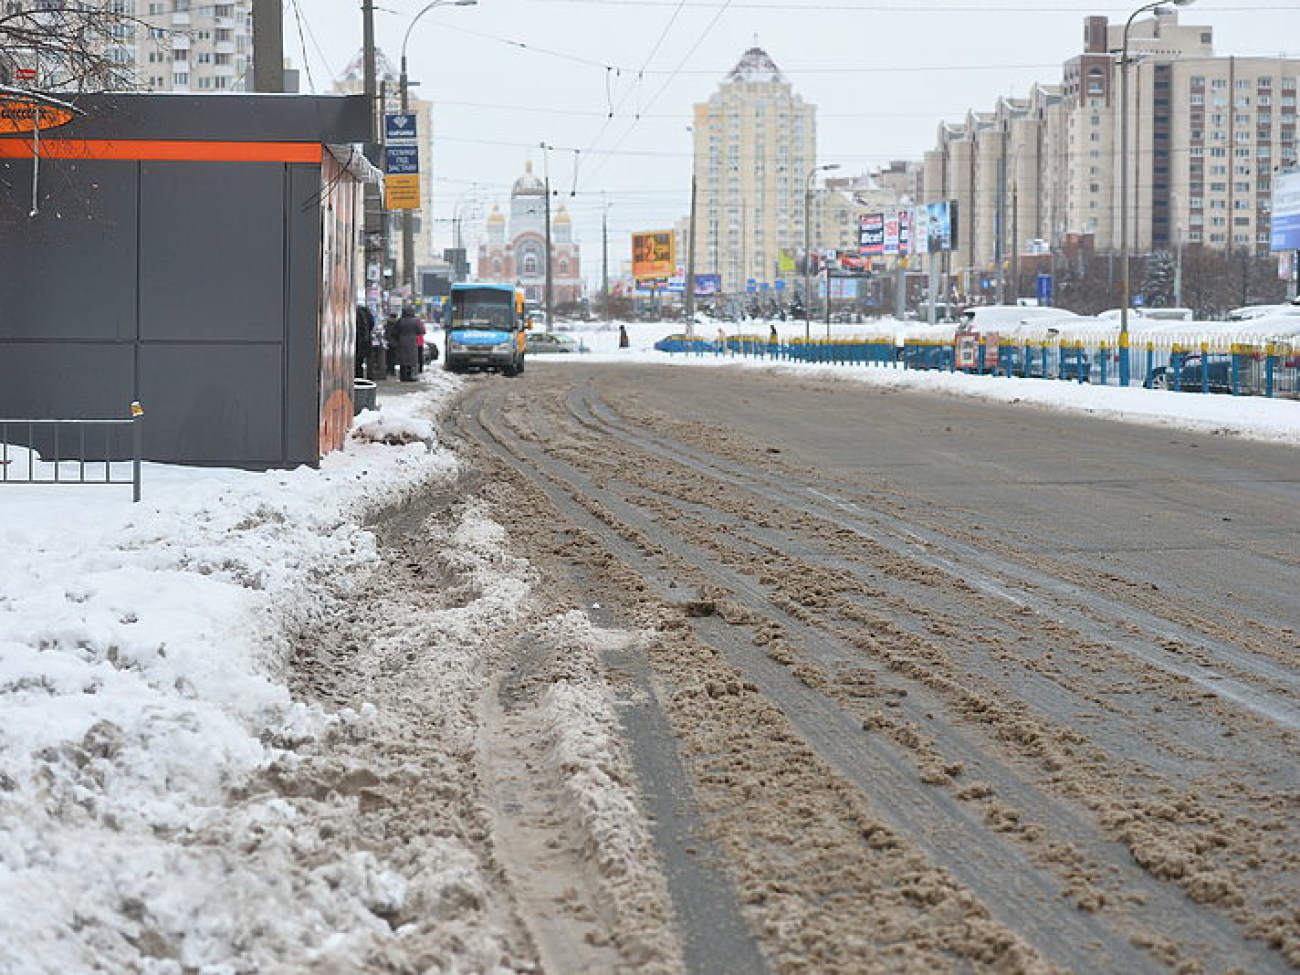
(941, 226)
(920, 230)
(1284, 234)
(399, 127)
(21, 113)
(402, 192)
(871, 235)
(401, 160)
(891, 235)
(652, 255)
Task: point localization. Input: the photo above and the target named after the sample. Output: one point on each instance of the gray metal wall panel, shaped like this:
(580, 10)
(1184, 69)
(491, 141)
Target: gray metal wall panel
(257, 117)
(214, 403)
(214, 251)
(302, 334)
(68, 380)
(68, 270)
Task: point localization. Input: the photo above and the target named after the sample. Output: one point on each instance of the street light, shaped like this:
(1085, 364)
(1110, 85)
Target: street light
(807, 252)
(408, 224)
(1125, 372)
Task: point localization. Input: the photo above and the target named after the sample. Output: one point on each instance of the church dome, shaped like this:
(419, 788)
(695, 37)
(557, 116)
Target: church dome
(496, 216)
(528, 184)
(563, 215)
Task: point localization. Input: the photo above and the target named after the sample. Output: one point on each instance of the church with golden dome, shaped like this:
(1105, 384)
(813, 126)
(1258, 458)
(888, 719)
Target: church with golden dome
(515, 249)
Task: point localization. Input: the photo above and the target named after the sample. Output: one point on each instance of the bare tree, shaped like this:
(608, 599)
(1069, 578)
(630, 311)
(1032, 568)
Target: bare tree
(69, 45)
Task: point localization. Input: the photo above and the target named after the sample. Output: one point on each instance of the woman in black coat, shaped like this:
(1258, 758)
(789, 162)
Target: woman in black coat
(409, 328)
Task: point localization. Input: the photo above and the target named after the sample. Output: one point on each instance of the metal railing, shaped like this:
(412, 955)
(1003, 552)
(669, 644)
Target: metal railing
(83, 451)
(1224, 365)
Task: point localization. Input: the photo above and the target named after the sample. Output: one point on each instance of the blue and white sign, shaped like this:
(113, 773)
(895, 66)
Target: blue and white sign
(399, 127)
(1285, 231)
(401, 160)
(1044, 289)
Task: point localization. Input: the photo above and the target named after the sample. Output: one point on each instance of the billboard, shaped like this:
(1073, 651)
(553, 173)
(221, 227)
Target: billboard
(653, 255)
(934, 227)
(706, 285)
(871, 234)
(1285, 231)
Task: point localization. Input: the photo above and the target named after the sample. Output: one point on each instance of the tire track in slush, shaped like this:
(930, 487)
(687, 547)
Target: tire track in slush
(1016, 891)
(1072, 604)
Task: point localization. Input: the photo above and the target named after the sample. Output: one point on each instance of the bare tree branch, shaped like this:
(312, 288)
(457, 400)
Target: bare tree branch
(55, 45)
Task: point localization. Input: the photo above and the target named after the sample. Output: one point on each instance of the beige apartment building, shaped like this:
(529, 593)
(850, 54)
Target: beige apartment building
(190, 45)
(1206, 135)
(755, 156)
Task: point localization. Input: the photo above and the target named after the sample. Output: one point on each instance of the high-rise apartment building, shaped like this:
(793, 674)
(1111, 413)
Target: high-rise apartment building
(755, 156)
(1207, 134)
(154, 45)
(190, 45)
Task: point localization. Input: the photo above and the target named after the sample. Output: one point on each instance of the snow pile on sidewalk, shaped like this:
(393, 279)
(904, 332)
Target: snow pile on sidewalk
(142, 684)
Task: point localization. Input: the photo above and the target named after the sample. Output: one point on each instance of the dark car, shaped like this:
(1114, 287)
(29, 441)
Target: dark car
(1192, 376)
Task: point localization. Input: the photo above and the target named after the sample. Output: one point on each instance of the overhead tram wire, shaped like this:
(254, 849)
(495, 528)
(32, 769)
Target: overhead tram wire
(674, 74)
(877, 8)
(613, 109)
(786, 69)
(304, 30)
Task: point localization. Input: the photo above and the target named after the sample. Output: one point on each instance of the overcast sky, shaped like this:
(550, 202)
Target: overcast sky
(611, 84)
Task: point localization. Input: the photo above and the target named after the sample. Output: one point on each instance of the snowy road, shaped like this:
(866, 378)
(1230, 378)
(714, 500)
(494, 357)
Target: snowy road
(905, 685)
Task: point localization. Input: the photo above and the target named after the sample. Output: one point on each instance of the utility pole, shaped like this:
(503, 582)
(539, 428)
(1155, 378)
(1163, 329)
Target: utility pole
(268, 45)
(546, 181)
(999, 216)
(549, 278)
(376, 221)
(690, 267)
(604, 259)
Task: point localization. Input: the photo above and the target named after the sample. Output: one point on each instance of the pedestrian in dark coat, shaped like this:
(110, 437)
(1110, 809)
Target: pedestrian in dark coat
(365, 330)
(390, 342)
(409, 330)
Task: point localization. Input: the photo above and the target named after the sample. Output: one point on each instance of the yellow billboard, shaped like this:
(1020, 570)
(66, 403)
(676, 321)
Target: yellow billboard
(653, 255)
(402, 192)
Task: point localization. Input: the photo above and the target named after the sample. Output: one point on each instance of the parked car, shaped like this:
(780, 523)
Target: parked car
(1192, 377)
(680, 342)
(1249, 312)
(542, 343)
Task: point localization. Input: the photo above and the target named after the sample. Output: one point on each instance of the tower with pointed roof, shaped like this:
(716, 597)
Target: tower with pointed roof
(755, 143)
(515, 249)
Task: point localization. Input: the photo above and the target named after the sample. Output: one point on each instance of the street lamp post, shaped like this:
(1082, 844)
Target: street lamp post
(1125, 370)
(807, 252)
(408, 223)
